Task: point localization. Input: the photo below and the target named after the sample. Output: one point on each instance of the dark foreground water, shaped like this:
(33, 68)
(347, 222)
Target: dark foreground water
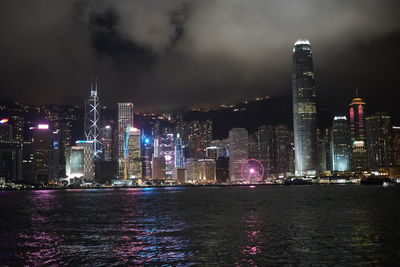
(273, 225)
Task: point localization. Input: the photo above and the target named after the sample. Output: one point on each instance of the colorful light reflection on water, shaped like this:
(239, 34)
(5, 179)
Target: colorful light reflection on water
(200, 226)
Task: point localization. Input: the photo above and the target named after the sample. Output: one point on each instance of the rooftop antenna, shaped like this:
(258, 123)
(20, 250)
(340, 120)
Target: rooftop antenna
(356, 92)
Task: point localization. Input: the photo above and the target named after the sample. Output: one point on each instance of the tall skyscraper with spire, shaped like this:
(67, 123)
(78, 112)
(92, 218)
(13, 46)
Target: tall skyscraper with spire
(304, 108)
(92, 120)
(357, 134)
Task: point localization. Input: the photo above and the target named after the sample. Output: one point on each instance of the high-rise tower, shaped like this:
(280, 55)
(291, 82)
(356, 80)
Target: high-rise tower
(92, 120)
(179, 158)
(125, 119)
(238, 153)
(379, 140)
(340, 144)
(357, 134)
(304, 108)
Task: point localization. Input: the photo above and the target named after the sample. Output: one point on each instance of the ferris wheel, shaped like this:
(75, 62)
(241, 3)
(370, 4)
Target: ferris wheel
(252, 171)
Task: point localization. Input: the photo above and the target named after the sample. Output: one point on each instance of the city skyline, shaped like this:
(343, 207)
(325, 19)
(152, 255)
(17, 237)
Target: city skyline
(199, 133)
(151, 65)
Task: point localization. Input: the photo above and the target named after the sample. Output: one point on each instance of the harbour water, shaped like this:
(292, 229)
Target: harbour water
(242, 225)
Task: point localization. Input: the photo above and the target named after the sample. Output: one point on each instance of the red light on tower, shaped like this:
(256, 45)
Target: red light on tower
(351, 114)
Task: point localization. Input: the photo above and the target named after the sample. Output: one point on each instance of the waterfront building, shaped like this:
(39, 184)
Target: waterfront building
(158, 163)
(10, 160)
(147, 157)
(135, 153)
(206, 171)
(88, 160)
(379, 140)
(28, 162)
(283, 151)
(322, 151)
(166, 151)
(222, 169)
(41, 140)
(6, 130)
(192, 170)
(238, 153)
(105, 136)
(179, 157)
(125, 118)
(340, 144)
(74, 166)
(266, 149)
(357, 113)
(55, 166)
(396, 145)
(158, 168)
(180, 175)
(304, 108)
(62, 137)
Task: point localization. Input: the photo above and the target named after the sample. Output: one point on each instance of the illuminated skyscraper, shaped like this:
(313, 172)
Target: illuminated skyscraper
(304, 108)
(135, 153)
(147, 157)
(357, 135)
(196, 135)
(166, 146)
(88, 163)
(74, 161)
(207, 171)
(125, 118)
(379, 140)
(92, 120)
(42, 152)
(179, 158)
(340, 144)
(238, 153)
(158, 163)
(106, 142)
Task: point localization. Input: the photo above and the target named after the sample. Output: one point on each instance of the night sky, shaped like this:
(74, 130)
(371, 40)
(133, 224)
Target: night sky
(165, 55)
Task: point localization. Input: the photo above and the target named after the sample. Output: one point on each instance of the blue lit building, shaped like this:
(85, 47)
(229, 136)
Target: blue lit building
(179, 158)
(147, 156)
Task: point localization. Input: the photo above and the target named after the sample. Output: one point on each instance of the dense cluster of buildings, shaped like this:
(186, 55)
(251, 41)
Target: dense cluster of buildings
(38, 145)
(355, 145)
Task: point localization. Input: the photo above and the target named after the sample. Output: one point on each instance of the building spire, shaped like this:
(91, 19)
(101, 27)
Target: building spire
(92, 118)
(356, 92)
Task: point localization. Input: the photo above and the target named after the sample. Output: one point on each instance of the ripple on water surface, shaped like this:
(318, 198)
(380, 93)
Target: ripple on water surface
(207, 226)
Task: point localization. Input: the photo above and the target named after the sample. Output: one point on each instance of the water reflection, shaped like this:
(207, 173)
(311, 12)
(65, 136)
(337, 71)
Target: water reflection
(39, 242)
(200, 226)
(149, 236)
(253, 241)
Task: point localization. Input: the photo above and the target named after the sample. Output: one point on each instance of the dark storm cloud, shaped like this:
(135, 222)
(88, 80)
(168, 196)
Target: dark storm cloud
(166, 54)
